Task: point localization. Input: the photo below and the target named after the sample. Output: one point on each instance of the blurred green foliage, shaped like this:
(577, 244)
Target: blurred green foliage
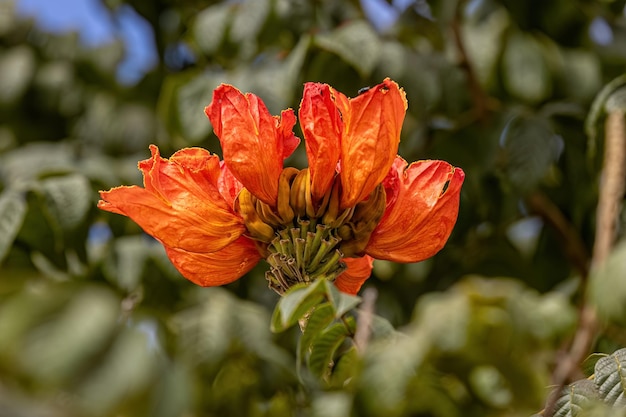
(95, 321)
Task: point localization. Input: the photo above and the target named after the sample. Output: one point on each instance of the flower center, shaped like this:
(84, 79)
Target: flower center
(305, 240)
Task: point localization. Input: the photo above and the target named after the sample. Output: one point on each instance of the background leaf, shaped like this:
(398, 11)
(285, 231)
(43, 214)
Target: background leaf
(356, 43)
(607, 289)
(575, 398)
(526, 73)
(609, 378)
(12, 212)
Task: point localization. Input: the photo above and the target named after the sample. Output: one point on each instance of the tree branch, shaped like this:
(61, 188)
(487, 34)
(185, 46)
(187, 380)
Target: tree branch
(609, 202)
(364, 329)
(571, 242)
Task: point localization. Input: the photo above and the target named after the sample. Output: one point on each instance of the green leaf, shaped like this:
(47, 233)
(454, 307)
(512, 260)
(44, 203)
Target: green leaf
(249, 18)
(297, 302)
(319, 319)
(483, 39)
(393, 59)
(490, 386)
(250, 327)
(354, 42)
(607, 287)
(17, 66)
(217, 321)
(69, 198)
(127, 369)
(341, 302)
(206, 329)
(41, 231)
(346, 369)
(598, 108)
(575, 398)
(172, 395)
(526, 73)
(446, 319)
(529, 148)
(24, 310)
(274, 79)
(589, 364)
(34, 160)
(192, 98)
(102, 169)
(598, 395)
(610, 378)
(56, 350)
(324, 348)
(105, 57)
(332, 404)
(125, 268)
(381, 328)
(12, 213)
(210, 26)
(581, 74)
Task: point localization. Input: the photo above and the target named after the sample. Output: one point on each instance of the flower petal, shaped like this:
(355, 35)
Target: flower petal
(322, 128)
(180, 205)
(284, 125)
(370, 141)
(217, 268)
(422, 207)
(254, 142)
(228, 185)
(359, 270)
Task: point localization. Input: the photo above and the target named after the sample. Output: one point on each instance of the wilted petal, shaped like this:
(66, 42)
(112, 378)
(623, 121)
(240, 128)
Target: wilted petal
(359, 270)
(217, 268)
(370, 140)
(422, 207)
(253, 141)
(189, 176)
(180, 205)
(322, 128)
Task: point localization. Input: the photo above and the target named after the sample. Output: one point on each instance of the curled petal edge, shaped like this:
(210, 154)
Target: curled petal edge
(353, 278)
(180, 205)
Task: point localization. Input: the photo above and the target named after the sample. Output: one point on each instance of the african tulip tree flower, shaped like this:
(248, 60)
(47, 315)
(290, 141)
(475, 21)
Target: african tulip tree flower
(356, 201)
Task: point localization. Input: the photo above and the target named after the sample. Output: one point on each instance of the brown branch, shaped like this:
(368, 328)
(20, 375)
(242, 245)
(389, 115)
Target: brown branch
(609, 202)
(571, 242)
(364, 329)
(612, 187)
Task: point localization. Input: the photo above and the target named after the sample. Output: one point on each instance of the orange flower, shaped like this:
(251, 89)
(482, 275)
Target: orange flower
(254, 142)
(356, 201)
(185, 205)
(362, 134)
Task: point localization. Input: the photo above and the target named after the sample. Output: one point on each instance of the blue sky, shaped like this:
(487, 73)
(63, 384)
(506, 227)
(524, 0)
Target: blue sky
(97, 26)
